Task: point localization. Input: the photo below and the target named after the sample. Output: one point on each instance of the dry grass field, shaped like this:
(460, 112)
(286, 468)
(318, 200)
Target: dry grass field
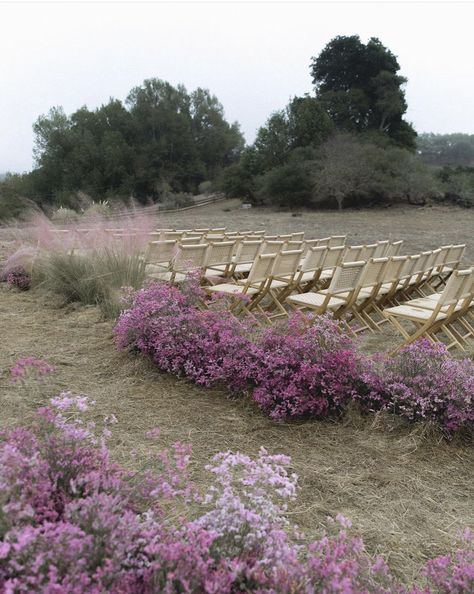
(407, 493)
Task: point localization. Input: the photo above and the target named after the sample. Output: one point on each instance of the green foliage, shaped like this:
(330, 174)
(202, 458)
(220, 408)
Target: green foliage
(289, 185)
(446, 149)
(161, 136)
(359, 87)
(366, 172)
(458, 184)
(64, 215)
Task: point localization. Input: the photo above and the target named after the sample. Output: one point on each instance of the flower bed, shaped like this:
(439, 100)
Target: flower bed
(73, 522)
(307, 367)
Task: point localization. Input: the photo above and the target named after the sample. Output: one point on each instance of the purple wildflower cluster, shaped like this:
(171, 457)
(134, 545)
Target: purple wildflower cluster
(73, 522)
(306, 367)
(30, 368)
(17, 277)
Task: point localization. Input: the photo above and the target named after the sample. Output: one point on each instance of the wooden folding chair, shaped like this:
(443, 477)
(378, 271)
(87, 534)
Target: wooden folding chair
(336, 241)
(159, 256)
(283, 273)
(428, 322)
(219, 260)
(338, 296)
(244, 294)
(188, 258)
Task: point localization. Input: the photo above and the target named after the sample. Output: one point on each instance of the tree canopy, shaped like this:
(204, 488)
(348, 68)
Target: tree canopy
(162, 136)
(360, 88)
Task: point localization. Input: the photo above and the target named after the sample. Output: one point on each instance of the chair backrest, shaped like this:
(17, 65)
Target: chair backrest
(220, 253)
(171, 235)
(286, 237)
(457, 287)
(297, 236)
(374, 272)
(294, 245)
(380, 250)
(352, 253)
(189, 240)
(324, 241)
(455, 255)
(286, 264)
(261, 268)
(368, 252)
(247, 251)
(333, 257)
(394, 248)
(190, 257)
(346, 277)
(201, 230)
(310, 243)
(410, 266)
(337, 240)
(442, 256)
(159, 252)
(272, 247)
(393, 271)
(314, 258)
(258, 233)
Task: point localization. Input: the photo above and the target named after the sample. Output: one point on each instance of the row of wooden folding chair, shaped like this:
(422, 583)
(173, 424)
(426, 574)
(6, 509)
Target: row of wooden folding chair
(445, 314)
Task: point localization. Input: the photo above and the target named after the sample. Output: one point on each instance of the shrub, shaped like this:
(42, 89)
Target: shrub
(18, 277)
(64, 215)
(309, 368)
(204, 346)
(423, 382)
(72, 521)
(305, 368)
(97, 209)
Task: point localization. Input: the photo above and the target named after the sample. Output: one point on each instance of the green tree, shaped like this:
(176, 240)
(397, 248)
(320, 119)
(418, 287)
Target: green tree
(359, 86)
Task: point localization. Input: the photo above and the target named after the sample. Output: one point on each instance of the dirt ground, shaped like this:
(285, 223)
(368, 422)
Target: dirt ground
(407, 495)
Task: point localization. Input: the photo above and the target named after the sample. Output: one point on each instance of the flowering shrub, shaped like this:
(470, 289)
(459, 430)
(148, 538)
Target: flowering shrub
(72, 521)
(205, 346)
(18, 277)
(307, 367)
(423, 382)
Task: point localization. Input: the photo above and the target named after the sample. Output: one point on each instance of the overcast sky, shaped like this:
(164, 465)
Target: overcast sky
(253, 56)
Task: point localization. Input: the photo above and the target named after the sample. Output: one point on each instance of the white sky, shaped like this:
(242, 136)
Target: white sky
(253, 56)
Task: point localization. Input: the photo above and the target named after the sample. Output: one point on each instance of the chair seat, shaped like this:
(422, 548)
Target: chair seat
(316, 300)
(245, 267)
(412, 313)
(232, 289)
(210, 272)
(307, 276)
(327, 274)
(279, 284)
